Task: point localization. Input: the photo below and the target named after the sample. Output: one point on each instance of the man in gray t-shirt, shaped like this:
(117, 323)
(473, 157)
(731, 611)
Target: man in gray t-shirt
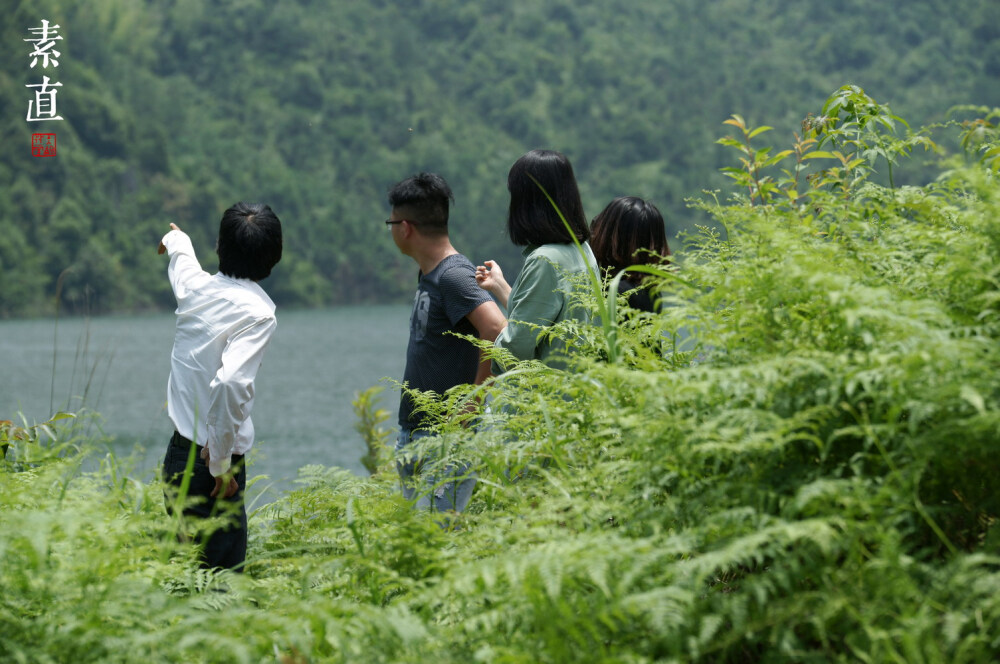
(436, 360)
(448, 299)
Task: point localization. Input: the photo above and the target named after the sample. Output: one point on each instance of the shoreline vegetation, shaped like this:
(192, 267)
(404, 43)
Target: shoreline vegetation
(810, 478)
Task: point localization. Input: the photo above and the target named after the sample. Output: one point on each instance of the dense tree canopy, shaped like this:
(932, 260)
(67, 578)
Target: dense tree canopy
(175, 109)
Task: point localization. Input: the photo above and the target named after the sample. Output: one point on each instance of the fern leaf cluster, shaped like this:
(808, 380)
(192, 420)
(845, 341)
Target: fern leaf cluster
(792, 461)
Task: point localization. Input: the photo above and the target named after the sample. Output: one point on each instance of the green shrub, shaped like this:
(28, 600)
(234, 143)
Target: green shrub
(792, 462)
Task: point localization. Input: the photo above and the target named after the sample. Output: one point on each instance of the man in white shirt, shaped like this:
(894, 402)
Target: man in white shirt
(224, 323)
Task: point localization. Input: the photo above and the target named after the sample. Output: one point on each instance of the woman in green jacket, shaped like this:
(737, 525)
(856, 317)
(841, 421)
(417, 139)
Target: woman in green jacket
(542, 293)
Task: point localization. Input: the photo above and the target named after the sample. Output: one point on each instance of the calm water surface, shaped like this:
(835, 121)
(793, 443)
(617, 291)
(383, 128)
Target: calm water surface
(118, 366)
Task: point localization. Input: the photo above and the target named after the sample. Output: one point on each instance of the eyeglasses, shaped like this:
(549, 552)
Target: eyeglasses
(390, 222)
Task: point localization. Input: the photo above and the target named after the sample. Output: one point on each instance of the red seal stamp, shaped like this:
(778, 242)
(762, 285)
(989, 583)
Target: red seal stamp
(43, 145)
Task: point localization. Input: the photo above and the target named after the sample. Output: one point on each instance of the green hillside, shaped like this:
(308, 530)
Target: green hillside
(175, 109)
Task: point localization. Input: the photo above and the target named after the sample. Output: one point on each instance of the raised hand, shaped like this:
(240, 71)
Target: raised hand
(161, 248)
(489, 276)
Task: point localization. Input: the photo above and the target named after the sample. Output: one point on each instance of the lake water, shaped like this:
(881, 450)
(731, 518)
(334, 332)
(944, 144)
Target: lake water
(118, 366)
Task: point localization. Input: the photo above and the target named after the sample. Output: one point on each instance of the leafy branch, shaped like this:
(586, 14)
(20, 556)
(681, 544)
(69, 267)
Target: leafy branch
(852, 129)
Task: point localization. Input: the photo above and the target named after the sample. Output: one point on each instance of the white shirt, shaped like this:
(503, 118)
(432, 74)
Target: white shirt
(223, 328)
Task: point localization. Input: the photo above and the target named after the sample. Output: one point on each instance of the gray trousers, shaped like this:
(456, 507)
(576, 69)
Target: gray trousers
(447, 491)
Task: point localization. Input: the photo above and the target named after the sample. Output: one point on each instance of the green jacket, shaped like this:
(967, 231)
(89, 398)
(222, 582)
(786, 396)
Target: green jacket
(540, 298)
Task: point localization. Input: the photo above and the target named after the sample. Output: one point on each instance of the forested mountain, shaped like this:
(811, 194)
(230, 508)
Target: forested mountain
(175, 109)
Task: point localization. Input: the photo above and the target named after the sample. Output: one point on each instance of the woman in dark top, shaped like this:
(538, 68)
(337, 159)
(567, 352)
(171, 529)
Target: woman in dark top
(630, 231)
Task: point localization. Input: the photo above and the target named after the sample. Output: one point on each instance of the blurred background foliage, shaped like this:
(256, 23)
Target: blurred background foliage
(175, 109)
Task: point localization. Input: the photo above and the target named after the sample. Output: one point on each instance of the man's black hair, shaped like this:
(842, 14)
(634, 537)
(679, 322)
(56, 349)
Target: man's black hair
(249, 241)
(423, 200)
(532, 220)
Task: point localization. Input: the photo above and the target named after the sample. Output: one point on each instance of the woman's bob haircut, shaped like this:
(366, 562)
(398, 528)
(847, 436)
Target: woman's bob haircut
(532, 219)
(629, 231)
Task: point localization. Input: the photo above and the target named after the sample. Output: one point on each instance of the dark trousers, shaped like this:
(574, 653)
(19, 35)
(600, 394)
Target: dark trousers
(225, 546)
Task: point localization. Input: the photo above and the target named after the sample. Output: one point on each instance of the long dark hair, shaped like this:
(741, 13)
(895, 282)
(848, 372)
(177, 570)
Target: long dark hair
(532, 219)
(629, 231)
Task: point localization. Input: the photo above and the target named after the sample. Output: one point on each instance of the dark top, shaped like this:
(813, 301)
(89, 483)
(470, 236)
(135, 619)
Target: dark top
(435, 360)
(639, 298)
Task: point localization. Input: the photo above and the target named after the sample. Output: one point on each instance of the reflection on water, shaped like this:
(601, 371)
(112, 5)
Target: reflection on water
(118, 366)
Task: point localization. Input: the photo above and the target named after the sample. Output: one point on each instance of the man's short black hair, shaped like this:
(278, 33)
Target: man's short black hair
(249, 241)
(423, 199)
(532, 220)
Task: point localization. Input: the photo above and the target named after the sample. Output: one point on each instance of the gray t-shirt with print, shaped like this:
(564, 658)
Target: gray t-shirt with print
(435, 360)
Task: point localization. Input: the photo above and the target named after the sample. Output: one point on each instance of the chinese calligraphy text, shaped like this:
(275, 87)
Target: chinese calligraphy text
(43, 106)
